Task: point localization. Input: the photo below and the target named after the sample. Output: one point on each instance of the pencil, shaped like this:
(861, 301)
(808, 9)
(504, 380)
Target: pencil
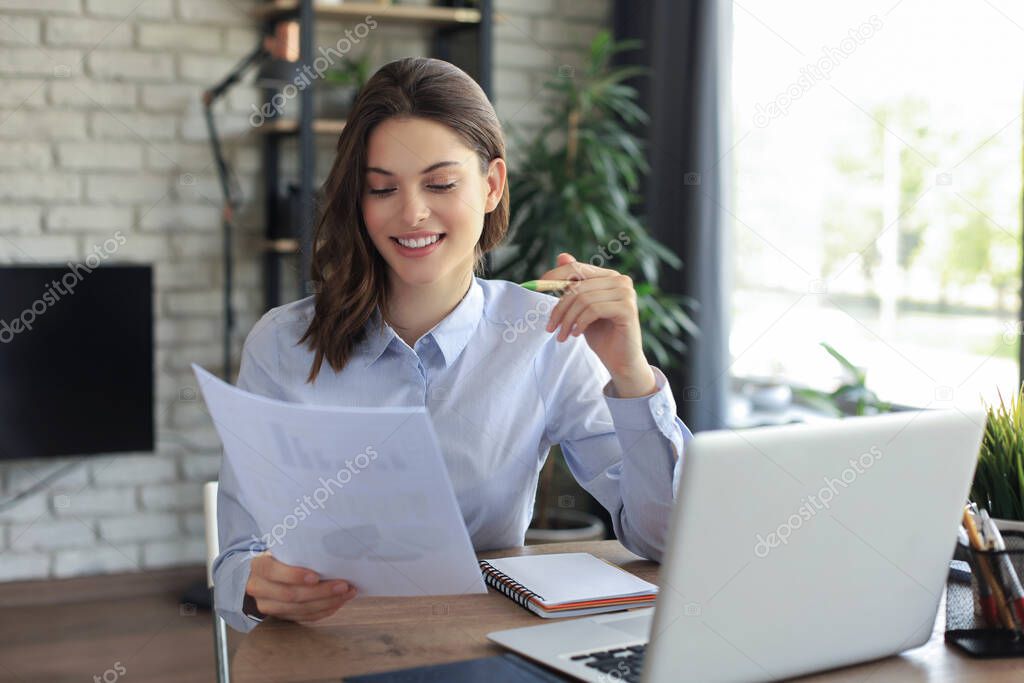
(986, 571)
(988, 603)
(547, 285)
(1010, 578)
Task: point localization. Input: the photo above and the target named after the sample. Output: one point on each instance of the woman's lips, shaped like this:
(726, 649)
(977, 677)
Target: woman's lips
(418, 252)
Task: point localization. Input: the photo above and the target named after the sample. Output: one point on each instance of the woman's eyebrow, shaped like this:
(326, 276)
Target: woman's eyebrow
(428, 169)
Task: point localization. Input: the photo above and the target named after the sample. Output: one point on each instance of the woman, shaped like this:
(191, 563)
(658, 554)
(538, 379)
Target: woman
(416, 196)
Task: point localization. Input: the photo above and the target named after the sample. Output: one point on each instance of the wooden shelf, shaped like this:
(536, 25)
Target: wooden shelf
(291, 126)
(419, 14)
(285, 245)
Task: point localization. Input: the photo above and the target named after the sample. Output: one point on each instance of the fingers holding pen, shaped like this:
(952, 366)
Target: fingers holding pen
(587, 301)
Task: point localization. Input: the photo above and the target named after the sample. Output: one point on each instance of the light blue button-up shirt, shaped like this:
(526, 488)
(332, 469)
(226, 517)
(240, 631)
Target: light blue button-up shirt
(500, 391)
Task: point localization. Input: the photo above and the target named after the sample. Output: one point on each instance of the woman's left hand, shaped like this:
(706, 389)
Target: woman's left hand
(602, 307)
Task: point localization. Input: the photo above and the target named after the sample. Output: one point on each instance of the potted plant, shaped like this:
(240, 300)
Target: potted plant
(851, 398)
(574, 188)
(342, 85)
(999, 478)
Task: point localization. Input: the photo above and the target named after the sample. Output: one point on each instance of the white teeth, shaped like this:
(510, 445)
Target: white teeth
(421, 242)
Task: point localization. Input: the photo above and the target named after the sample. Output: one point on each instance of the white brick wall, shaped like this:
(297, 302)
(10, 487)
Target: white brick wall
(110, 95)
(103, 559)
(51, 535)
(131, 65)
(79, 32)
(44, 124)
(73, 218)
(140, 527)
(119, 9)
(24, 566)
(20, 220)
(24, 155)
(101, 130)
(534, 38)
(36, 186)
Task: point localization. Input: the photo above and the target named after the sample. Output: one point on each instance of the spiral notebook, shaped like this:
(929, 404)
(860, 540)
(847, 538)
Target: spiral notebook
(567, 584)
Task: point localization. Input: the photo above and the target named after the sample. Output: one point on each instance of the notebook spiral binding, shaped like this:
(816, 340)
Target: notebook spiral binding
(504, 583)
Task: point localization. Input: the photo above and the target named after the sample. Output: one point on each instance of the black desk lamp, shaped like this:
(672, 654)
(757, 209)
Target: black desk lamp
(272, 50)
(270, 55)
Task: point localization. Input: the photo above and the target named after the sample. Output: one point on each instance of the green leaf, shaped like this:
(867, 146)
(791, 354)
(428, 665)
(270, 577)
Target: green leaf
(999, 478)
(854, 370)
(818, 400)
(585, 206)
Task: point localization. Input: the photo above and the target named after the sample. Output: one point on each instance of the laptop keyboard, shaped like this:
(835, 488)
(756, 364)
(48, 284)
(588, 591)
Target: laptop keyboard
(620, 663)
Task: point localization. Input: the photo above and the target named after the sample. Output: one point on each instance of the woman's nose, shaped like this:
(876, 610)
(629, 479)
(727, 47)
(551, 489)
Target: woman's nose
(415, 210)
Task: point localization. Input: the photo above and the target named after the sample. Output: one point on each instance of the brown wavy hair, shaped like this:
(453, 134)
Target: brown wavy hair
(348, 273)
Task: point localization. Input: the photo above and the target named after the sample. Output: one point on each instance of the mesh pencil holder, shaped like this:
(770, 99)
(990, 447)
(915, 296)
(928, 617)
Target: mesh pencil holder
(975, 622)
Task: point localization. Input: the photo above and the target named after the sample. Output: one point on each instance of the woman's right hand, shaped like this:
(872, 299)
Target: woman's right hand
(294, 593)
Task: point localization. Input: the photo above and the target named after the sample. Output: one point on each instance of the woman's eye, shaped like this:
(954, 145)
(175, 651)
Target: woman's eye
(442, 188)
(384, 191)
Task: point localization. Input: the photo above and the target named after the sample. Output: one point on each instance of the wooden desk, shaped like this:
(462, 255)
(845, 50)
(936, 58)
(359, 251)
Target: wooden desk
(380, 634)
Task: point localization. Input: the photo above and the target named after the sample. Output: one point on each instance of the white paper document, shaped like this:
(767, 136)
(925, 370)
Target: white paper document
(352, 493)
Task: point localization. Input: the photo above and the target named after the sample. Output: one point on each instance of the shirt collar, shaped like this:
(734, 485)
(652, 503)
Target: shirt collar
(451, 334)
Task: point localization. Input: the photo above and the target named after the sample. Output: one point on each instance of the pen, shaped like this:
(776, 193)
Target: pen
(547, 285)
(988, 603)
(986, 571)
(1009, 573)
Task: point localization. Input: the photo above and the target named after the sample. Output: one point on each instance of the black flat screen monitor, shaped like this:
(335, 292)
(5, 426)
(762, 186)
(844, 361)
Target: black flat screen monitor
(76, 360)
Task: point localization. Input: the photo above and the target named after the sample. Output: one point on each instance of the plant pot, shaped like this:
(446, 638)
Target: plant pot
(567, 525)
(768, 397)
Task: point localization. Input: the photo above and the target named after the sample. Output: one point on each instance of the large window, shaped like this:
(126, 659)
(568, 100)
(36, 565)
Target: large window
(877, 195)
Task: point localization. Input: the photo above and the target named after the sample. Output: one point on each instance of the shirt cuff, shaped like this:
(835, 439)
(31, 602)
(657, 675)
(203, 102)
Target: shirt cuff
(643, 413)
(230, 578)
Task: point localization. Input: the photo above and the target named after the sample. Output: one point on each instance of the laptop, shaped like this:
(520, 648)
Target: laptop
(791, 550)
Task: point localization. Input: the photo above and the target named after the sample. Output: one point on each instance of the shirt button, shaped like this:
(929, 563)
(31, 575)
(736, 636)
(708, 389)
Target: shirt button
(660, 411)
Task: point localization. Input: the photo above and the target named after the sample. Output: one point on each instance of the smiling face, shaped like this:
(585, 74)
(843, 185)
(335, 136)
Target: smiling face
(424, 199)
